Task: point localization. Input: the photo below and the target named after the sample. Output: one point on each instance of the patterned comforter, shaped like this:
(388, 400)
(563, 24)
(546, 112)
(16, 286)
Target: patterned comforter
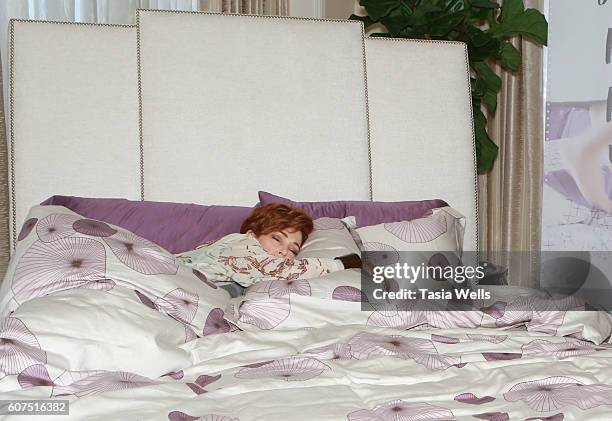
(111, 324)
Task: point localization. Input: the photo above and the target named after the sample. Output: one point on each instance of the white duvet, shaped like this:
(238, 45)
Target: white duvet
(130, 344)
(347, 372)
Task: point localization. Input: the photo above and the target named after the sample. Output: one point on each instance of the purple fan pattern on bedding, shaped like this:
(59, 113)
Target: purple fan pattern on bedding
(27, 228)
(141, 255)
(422, 230)
(215, 323)
(401, 410)
(472, 399)
(179, 304)
(265, 314)
(570, 347)
(349, 293)
(190, 335)
(19, 347)
(444, 339)
(23, 350)
(552, 393)
(494, 339)
(501, 356)
(338, 351)
(556, 417)
(182, 416)
(20, 354)
(177, 227)
(365, 212)
(493, 416)
(69, 252)
(93, 228)
(62, 264)
(298, 368)
(201, 382)
(176, 375)
(105, 381)
(33, 376)
(265, 309)
(422, 351)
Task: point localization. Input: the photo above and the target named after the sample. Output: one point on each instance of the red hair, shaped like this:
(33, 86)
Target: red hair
(276, 217)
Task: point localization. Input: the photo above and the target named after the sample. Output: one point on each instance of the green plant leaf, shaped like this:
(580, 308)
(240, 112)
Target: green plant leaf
(489, 100)
(486, 150)
(424, 12)
(477, 37)
(406, 7)
(465, 20)
(479, 88)
(365, 19)
(484, 4)
(509, 56)
(395, 24)
(492, 21)
(445, 24)
(480, 15)
(488, 76)
(482, 53)
(530, 24)
(510, 9)
(379, 8)
(454, 6)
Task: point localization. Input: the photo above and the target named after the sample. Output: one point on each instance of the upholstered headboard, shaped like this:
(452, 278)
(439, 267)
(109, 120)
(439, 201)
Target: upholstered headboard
(201, 107)
(73, 112)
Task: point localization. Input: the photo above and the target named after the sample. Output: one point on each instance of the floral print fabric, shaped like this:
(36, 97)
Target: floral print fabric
(240, 258)
(134, 337)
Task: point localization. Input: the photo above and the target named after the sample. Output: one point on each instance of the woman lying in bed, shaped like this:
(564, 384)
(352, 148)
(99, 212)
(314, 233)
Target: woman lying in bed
(266, 248)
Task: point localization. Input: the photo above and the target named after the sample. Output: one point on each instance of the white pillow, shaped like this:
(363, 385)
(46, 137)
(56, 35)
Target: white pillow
(433, 240)
(330, 239)
(441, 231)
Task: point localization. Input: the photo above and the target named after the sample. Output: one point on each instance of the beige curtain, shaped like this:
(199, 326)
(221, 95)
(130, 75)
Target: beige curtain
(249, 7)
(510, 199)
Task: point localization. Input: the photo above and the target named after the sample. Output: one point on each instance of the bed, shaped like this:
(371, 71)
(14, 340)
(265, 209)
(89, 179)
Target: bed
(97, 315)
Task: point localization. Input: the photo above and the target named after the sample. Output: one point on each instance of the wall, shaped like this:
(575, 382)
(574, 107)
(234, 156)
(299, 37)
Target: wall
(339, 9)
(330, 9)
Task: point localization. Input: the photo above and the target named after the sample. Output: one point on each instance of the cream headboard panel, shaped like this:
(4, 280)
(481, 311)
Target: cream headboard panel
(73, 105)
(233, 104)
(421, 125)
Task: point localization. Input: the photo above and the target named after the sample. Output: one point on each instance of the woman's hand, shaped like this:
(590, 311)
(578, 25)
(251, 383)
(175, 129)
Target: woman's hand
(351, 261)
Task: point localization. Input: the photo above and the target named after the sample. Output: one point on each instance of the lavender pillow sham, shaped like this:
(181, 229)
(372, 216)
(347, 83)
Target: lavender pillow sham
(177, 227)
(365, 212)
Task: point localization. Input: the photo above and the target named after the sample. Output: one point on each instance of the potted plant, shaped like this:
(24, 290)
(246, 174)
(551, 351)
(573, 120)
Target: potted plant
(484, 25)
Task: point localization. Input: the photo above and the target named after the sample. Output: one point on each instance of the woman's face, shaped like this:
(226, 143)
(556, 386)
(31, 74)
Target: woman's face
(285, 243)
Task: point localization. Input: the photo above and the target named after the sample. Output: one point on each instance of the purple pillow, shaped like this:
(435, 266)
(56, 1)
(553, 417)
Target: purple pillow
(365, 212)
(177, 227)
